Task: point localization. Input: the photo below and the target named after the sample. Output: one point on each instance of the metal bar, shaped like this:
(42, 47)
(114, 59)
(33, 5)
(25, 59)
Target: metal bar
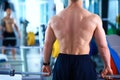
(28, 47)
(110, 77)
(31, 73)
(7, 72)
(9, 48)
(12, 73)
(21, 47)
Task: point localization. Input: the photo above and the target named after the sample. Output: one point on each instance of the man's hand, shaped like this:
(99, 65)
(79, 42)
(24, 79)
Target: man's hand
(106, 71)
(46, 69)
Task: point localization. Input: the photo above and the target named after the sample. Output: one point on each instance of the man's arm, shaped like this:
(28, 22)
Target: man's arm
(2, 24)
(101, 41)
(49, 40)
(16, 27)
(2, 27)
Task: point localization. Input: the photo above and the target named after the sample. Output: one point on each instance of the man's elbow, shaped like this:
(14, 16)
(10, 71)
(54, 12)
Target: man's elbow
(103, 47)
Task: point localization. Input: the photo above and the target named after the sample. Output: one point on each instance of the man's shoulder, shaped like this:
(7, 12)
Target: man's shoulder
(54, 19)
(89, 14)
(93, 16)
(3, 20)
(96, 19)
(96, 16)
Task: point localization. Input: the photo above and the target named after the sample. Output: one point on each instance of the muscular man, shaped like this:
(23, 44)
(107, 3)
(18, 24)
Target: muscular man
(8, 32)
(74, 28)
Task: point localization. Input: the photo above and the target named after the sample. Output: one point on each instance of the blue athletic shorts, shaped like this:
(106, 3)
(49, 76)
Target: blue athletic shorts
(74, 67)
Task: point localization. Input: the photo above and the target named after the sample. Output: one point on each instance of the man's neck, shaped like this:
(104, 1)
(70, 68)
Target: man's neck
(78, 3)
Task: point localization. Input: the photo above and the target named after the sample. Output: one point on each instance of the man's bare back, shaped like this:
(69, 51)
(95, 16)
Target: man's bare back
(74, 28)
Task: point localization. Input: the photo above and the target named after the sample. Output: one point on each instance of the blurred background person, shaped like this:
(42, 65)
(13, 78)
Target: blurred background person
(8, 35)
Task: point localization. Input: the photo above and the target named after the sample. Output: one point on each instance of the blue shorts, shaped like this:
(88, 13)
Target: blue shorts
(74, 67)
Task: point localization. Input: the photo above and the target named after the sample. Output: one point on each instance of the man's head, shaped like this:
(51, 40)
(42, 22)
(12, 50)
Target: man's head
(8, 11)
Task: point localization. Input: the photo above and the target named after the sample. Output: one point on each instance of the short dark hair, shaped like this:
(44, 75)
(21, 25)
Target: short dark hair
(74, 0)
(8, 5)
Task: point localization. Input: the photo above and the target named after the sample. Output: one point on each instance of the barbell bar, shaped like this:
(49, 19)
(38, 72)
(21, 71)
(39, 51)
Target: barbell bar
(110, 77)
(21, 47)
(12, 72)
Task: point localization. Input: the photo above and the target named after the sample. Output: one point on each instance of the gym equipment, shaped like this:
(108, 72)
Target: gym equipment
(30, 39)
(118, 19)
(22, 47)
(12, 72)
(114, 55)
(108, 77)
(115, 58)
(56, 49)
